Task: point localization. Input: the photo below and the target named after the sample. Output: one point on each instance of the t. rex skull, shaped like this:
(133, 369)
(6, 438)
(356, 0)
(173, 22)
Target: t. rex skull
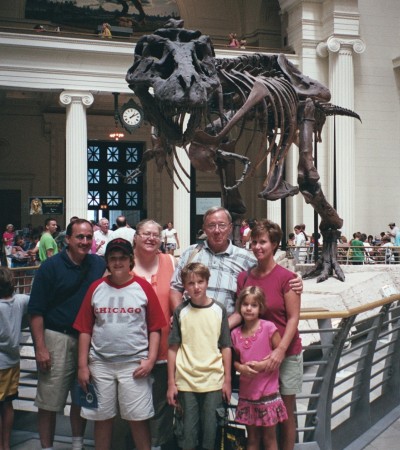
(178, 65)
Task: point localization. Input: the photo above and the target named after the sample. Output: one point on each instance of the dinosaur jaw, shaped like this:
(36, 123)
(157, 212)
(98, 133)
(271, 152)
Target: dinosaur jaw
(170, 119)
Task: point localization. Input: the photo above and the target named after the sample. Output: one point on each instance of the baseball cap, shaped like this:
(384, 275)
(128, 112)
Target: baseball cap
(392, 224)
(119, 244)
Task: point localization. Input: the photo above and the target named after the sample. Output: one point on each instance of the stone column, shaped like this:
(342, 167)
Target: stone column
(274, 211)
(341, 84)
(76, 191)
(181, 197)
(181, 209)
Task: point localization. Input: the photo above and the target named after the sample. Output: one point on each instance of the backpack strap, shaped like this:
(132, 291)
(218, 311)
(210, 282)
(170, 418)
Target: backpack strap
(196, 250)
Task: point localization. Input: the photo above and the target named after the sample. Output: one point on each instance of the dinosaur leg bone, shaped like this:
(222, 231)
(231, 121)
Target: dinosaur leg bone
(307, 172)
(312, 192)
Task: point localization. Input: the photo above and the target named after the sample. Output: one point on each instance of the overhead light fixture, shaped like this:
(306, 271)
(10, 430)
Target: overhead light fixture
(116, 134)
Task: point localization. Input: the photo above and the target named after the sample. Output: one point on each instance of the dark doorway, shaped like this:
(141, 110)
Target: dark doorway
(10, 201)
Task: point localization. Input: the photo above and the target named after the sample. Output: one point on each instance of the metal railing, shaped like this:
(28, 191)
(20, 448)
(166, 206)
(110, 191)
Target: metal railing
(351, 372)
(351, 375)
(349, 254)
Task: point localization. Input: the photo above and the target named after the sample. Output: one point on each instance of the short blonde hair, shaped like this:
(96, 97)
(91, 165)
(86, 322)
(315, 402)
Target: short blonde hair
(144, 222)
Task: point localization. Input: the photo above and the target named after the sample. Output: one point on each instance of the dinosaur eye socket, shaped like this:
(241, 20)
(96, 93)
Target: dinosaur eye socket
(200, 51)
(154, 50)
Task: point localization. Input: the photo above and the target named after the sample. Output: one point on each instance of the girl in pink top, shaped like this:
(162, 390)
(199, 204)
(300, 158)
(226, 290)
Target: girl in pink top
(260, 405)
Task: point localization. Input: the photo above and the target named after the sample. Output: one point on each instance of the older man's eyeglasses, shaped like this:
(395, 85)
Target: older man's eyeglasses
(213, 226)
(145, 236)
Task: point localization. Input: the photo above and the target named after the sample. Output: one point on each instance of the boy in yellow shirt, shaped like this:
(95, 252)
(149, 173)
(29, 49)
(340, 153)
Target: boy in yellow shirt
(199, 360)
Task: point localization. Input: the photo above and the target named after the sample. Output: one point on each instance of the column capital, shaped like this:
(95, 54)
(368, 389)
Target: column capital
(334, 44)
(67, 97)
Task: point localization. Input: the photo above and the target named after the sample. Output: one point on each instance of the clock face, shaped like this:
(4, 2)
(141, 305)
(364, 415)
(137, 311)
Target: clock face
(132, 116)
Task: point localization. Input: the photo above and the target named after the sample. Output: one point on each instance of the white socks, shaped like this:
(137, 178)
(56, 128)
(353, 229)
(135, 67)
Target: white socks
(77, 443)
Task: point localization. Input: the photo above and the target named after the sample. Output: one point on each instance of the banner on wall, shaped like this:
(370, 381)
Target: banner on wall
(46, 205)
(142, 16)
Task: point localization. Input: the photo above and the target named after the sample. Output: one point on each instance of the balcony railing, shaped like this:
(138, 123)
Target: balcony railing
(348, 254)
(351, 372)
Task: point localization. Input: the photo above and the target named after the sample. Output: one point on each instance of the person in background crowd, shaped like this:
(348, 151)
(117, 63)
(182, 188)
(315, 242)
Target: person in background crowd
(21, 258)
(246, 234)
(356, 250)
(60, 238)
(368, 251)
(47, 245)
(395, 239)
(386, 252)
(34, 248)
(315, 237)
(300, 240)
(233, 41)
(162, 245)
(102, 236)
(123, 230)
(171, 239)
(393, 232)
(8, 240)
(58, 289)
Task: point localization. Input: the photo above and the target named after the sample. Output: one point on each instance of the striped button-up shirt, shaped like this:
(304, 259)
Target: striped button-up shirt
(224, 269)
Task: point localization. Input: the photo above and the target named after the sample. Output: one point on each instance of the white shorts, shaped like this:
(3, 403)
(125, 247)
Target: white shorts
(117, 390)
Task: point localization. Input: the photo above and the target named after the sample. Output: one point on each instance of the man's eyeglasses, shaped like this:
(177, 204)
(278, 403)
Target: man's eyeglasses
(145, 236)
(213, 226)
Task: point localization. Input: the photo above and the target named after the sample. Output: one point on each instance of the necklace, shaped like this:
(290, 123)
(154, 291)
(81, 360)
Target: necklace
(247, 341)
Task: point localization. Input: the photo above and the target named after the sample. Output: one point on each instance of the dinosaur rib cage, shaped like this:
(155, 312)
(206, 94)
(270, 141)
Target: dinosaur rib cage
(276, 111)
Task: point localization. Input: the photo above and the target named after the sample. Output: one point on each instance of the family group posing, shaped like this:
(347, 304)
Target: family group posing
(228, 306)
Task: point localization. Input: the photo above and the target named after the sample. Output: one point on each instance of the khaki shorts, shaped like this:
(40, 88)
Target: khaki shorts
(53, 386)
(117, 390)
(9, 379)
(291, 375)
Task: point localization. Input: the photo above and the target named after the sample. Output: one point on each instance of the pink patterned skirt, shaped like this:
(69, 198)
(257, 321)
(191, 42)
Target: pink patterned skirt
(265, 412)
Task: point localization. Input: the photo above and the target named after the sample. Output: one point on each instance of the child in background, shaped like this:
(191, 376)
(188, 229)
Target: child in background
(199, 361)
(119, 323)
(260, 405)
(12, 309)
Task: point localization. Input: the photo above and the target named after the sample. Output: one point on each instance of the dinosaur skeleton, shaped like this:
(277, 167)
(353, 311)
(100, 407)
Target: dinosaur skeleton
(175, 74)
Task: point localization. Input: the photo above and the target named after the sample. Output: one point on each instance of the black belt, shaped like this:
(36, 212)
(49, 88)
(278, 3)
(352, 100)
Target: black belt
(65, 330)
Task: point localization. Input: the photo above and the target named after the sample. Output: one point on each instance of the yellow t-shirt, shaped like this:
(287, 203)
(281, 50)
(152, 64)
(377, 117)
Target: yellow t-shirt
(200, 332)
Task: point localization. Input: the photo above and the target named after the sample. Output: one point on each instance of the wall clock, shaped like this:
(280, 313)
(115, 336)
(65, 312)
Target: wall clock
(131, 115)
